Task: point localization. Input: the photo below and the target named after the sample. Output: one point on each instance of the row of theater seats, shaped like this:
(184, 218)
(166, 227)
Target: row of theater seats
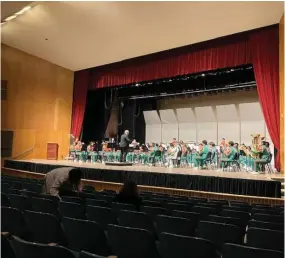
(164, 226)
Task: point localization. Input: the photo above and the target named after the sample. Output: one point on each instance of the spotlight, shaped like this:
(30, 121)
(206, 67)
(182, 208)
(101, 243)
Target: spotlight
(203, 74)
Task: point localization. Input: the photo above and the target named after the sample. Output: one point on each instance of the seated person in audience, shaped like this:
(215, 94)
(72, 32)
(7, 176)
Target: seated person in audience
(202, 154)
(129, 194)
(63, 181)
(229, 154)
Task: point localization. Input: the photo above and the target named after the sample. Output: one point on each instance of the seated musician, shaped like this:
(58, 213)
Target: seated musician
(214, 152)
(202, 154)
(229, 154)
(264, 157)
(183, 157)
(236, 145)
(223, 145)
(90, 147)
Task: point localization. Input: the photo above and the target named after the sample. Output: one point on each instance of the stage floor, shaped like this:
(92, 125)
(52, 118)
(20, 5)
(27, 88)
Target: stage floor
(139, 168)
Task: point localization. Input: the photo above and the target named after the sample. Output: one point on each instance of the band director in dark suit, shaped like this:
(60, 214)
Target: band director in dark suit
(124, 145)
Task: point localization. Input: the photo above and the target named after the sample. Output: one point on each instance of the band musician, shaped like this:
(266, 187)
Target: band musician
(124, 145)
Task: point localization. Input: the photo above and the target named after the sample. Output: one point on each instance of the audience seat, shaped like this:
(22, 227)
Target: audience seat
(117, 207)
(72, 210)
(7, 250)
(84, 254)
(151, 203)
(136, 219)
(153, 211)
(265, 211)
(265, 238)
(44, 206)
(24, 249)
(12, 221)
(228, 220)
(176, 246)
(20, 202)
(266, 225)
(241, 251)
(85, 235)
(219, 233)
(192, 216)
(45, 228)
(102, 215)
(132, 242)
(236, 214)
(268, 218)
(204, 211)
(4, 200)
(95, 202)
(72, 199)
(174, 225)
(180, 207)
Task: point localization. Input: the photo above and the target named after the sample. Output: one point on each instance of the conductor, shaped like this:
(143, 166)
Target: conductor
(124, 145)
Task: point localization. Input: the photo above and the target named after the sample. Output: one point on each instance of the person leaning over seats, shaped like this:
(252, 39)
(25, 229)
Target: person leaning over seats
(202, 155)
(63, 181)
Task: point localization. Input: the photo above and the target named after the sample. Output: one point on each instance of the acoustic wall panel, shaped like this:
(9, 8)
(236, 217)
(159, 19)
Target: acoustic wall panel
(207, 131)
(187, 132)
(153, 126)
(153, 133)
(186, 115)
(169, 125)
(228, 122)
(206, 124)
(251, 121)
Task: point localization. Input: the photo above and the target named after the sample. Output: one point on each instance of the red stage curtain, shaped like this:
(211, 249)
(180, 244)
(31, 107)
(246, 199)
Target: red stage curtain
(81, 83)
(215, 54)
(264, 47)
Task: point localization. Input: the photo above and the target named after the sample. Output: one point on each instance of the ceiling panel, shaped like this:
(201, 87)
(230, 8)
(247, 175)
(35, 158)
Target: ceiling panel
(80, 35)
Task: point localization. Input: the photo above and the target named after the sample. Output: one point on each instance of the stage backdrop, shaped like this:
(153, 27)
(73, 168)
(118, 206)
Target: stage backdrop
(234, 116)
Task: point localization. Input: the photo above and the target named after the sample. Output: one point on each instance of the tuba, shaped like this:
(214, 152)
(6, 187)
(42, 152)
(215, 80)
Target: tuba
(256, 146)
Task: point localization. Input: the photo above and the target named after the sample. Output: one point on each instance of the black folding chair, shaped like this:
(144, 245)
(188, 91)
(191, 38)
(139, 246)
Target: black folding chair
(102, 215)
(85, 235)
(72, 210)
(117, 207)
(4, 200)
(204, 211)
(84, 254)
(44, 206)
(151, 203)
(265, 238)
(266, 225)
(45, 228)
(219, 233)
(175, 225)
(184, 247)
(101, 203)
(26, 249)
(136, 219)
(132, 242)
(12, 221)
(153, 211)
(20, 202)
(241, 251)
(192, 216)
(268, 218)
(7, 250)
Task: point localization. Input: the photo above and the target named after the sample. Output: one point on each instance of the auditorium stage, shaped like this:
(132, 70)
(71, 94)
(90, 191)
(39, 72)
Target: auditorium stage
(242, 183)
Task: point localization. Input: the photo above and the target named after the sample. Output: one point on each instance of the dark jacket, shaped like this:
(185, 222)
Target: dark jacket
(125, 141)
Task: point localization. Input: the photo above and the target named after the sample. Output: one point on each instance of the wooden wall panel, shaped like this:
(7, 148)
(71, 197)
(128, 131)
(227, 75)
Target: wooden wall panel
(39, 104)
(281, 78)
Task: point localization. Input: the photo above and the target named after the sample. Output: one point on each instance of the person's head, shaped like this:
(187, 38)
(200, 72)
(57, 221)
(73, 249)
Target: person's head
(263, 143)
(248, 148)
(129, 188)
(231, 143)
(236, 145)
(212, 145)
(75, 175)
(126, 132)
(204, 142)
(267, 144)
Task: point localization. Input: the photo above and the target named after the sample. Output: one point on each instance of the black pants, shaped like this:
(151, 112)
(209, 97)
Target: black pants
(124, 151)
